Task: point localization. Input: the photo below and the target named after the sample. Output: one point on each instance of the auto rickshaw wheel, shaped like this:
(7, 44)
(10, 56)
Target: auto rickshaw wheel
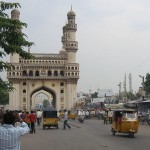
(113, 131)
(43, 127)
(131, 135)
(57, 126)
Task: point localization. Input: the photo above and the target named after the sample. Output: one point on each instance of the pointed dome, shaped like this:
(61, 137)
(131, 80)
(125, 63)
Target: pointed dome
(71, 14)
(15, 11)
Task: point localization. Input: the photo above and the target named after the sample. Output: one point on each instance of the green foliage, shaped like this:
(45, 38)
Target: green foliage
(147, 84)
(12, 40)
(132, 96)
(94, 95)
(4, 98)
(46, 104)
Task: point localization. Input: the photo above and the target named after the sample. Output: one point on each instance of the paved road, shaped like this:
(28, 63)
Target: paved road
(91, 135)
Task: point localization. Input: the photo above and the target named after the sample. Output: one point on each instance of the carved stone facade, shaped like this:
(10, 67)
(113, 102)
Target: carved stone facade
(54, 75)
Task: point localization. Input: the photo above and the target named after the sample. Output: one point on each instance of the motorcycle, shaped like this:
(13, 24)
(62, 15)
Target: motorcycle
(81, 118)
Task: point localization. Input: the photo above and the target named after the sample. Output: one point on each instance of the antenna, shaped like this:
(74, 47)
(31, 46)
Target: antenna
(130, 83)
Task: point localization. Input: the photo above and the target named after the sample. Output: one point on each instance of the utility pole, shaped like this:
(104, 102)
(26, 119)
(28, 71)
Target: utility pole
(125, 91)
(143, 92)
(130, 85)
(119, 85)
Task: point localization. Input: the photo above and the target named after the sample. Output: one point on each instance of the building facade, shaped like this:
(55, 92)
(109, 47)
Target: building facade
(54, 76)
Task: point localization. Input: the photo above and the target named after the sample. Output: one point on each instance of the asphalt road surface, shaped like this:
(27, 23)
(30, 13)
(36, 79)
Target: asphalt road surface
(91, 135)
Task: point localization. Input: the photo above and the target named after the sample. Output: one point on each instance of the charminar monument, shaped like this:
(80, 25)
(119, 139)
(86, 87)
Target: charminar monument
(51, 77)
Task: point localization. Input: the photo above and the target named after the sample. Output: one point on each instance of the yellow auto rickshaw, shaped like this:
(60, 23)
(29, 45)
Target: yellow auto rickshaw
(125, 121)
(50, 119)
(72, 114)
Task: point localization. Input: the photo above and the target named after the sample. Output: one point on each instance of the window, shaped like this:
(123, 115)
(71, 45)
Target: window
(37, 73)
(55, 73)
(30, 73)
(61, 84)
(24, 100)
(62, 91)
(62, 73)
(24, 73)
(49, 73)
(24, 83)
(24, 91)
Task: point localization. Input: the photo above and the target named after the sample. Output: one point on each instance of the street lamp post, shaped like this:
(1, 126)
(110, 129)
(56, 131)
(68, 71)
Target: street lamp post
(142, 86)
(119, 85)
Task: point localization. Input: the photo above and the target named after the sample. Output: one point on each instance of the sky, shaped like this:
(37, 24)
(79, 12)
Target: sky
(113, 37)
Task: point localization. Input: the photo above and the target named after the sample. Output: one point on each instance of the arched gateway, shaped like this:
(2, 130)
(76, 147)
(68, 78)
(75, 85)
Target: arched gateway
(44, 94)
(47, 76)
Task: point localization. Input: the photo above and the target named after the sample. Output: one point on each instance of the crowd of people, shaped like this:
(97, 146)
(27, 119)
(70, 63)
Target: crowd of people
(14, 124)
(22, 122)
(106, 115)
(29, 118)
(11, 129)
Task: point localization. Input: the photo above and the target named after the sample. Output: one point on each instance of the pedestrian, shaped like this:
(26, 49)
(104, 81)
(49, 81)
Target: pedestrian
(105, 117)
(39, 117)
(23, 116)
(33, 120)
(110, 114)
(92, 114)
(9, 134)
(65, 120)
(28, 120)
(87, 114)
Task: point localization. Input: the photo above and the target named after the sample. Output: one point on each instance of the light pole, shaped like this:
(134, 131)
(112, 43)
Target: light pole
(119, 85)
(142, 86)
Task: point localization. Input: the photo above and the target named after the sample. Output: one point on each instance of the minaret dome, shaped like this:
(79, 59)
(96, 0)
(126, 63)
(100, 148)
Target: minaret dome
(15, 14)
(71, 14)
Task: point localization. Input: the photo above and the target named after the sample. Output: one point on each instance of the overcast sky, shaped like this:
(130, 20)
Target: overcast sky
(113, 37)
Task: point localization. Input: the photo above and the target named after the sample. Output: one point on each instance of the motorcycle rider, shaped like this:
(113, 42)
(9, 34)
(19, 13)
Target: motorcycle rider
(81, 115)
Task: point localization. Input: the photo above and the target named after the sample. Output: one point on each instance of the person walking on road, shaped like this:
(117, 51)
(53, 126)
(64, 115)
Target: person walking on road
(33, 119)
(9, 134)
(105, 117)
(28, 120)
(39, 117)
(110, 114)
(65, 120)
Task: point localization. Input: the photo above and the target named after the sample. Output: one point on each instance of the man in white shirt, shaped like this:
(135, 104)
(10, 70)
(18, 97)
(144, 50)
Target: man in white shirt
(9, 134)
(39, 116)
(110, 114)
(65, 120)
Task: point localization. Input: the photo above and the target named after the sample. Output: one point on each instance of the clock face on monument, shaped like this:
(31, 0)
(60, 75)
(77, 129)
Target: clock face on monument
(43, 72)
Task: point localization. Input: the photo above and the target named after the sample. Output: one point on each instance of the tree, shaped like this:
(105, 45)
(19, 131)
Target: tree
(46, 103)
(132, 96)
(12, 40)
(94, 95)
(4, 98)
(146, 84)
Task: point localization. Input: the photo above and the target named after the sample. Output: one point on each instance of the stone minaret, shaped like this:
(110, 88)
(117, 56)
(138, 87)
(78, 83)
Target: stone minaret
(14, 98)
(69, 37)
(14, 58)
(72, 68)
